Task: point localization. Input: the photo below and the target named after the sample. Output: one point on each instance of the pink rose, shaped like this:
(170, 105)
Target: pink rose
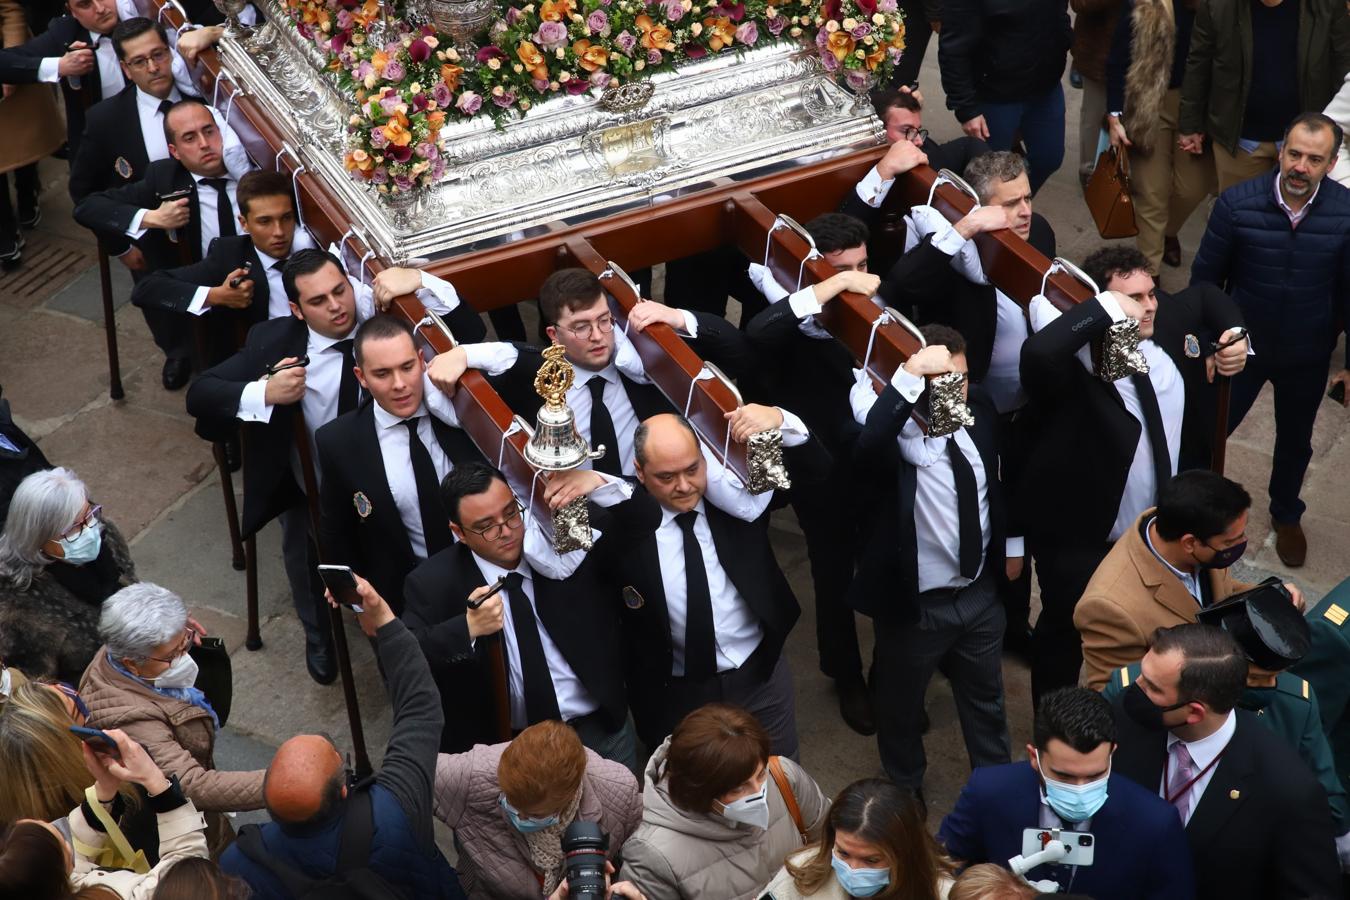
(440, 92)
(747, 33)
(469, 103)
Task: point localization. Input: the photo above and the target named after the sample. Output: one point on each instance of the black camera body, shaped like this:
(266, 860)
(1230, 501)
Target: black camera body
(585, 849)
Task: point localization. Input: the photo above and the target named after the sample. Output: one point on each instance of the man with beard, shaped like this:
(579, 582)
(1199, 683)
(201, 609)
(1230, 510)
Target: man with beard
(1280, 243)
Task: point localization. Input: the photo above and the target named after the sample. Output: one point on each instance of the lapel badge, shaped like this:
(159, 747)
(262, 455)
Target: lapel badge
(1234, 794)
(631, 598)
(362, 504)
(123, 167)
(1192, 346)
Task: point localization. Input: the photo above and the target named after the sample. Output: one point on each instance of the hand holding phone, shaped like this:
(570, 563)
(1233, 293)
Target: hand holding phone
(99, 741)
(341, 584)
(248, 270)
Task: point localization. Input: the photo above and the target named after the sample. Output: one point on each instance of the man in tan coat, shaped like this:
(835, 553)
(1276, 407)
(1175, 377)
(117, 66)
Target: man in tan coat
(1161, 571)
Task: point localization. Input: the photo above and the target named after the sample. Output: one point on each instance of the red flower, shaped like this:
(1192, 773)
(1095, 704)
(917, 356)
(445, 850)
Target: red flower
(399, 154)
(867, 7)
(832, 9)
(695, 51)
(418, 51)
(733, 11)
(489, 52)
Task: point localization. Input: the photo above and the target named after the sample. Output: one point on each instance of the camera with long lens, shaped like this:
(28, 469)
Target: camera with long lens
(585, 848)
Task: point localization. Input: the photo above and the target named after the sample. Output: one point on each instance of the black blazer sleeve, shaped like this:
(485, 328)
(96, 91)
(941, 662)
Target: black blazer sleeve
(437, 619)
(855, 206)
(465, 323)
(1048, 354)
(922, 277)
(173, 289)
(723, 344)
(1305, 853)
(958, 45)
(774, 327)
(111, 211)
(214, 395)
(876, 449)
(19, 64)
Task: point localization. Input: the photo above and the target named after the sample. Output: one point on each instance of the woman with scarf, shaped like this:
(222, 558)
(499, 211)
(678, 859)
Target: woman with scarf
(142, 681)
(59, 560)
(509, 805)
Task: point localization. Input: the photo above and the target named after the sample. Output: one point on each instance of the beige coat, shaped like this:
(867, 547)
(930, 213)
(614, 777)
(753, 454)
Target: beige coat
(181, 836)
(180, 739)
(677, 855)
(29, 119)
(1131, 594)
(784, 888)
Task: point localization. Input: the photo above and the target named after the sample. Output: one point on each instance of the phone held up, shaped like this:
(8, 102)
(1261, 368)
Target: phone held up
(341, 583)
(98, 741)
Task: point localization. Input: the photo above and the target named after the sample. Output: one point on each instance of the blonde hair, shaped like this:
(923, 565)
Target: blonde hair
(990, 882)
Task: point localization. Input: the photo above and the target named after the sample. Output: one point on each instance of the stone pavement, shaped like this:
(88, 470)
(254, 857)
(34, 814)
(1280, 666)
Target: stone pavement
(141, 460)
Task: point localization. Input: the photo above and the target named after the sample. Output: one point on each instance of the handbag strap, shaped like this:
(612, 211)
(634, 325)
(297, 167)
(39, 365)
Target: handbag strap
(785, 789)
(1122, 165)
(124, 856)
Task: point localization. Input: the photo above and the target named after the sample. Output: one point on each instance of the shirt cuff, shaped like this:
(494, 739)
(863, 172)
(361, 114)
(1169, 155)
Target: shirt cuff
(613, 492)
(1112, 308)
(49, 69)
(804, 303)
(253, 405)
(491, 357)
(198, 304)
(872, 190)
(793, 429)
(949, 240)
(1015, 547)
(909, 385)
(690, 323)
(1041, 312)
(134, 230)
(437, 294)
(437, 403)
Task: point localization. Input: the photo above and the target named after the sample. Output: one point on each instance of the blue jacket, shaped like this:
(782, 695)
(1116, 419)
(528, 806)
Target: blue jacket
(1293, 285)
(1140, 851)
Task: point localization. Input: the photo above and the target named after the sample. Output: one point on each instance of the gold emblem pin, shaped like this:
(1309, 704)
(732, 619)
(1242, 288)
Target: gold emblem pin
(1234, 794)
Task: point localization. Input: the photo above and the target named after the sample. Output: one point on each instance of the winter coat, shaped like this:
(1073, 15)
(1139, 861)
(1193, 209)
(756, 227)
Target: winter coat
(494, 860)
(1094, 21)
(181, 836)
(28, 116)
(679, 855)
(784, 888)
(1001, 51)
(179, 737)
(1147, 60)
(46, 630)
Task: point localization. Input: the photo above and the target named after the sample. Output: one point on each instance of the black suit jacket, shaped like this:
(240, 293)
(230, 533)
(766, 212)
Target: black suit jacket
(376, 546)
(1262, 829)
(580, 615)
(1076, 471)
(925, 279)
(19, 65)
(887, 581)
(110, 154)
(16, 465)
(110, 212)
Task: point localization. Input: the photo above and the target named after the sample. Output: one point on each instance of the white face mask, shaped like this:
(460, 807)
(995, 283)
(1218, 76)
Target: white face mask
(750, 810)
(182, 674)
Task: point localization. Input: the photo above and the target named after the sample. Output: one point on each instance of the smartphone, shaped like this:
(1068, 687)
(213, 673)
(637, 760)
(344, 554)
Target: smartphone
(248, 271)
(175, 195)
(1080, 844)
(98, 740)
(496, 586)
(1337, 392)
(341, 583)
(299, 363)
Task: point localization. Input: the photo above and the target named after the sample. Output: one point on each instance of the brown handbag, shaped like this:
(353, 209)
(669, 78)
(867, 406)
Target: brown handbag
(1108, 196)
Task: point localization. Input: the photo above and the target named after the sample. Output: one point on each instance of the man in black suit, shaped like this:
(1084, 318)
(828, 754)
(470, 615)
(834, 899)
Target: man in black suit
(557, 623)
(383, 463)
(706, 607)
(1258, 823)
(201, 201)
(1102, 449)
(572, 304)
(926, 575)
(252, 387)
(76, 51)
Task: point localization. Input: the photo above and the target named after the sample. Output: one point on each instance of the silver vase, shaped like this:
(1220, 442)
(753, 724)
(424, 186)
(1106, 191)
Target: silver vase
(234, 29)
(464, 21)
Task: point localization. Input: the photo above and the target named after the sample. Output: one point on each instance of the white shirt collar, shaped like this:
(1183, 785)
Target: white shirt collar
(668, 515)
(1206, 749)
(609, 373)
(491, 571)
(385, 419)
(150, 103)
(1148, 539)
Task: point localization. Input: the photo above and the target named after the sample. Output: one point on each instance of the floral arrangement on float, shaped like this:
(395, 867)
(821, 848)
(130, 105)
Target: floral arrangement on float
(409, 81)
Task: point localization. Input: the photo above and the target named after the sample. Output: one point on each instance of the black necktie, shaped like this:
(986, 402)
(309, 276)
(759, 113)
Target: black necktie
(224, 211)
(1157, 435)
(602, 429)
(435, 529)
(541, 699)
(349, 389)
(968, 510)
(165, 106)
(700, 648)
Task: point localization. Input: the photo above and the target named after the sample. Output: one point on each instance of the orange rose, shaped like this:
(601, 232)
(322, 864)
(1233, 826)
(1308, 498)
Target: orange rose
(379, 60)
(450, 74)
(556, 10)
(590, 57)
(840, 43)
(359, 161)
(532, 59)
(398, 134)
(875, 58)
(654, 36)
(721, 33)
(436, 119)
(898, 41)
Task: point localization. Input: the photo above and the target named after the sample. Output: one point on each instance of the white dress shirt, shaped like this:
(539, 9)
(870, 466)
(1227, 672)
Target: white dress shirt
(398, 471)
(1190, 580)
(573, 698)
(110, 76)
(277, 304)
(873, 189)
(1203, 752)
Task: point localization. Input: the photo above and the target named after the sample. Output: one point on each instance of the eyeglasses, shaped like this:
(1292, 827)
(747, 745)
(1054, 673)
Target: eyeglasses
(158, 57)
(583, 331)
(89, 519)
(76, 700)
(914, 135)
(189, 634)
(494, 531)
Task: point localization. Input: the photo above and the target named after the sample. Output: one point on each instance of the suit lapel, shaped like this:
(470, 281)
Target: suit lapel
(646, 399)
(183, 179)
(650, 561)
(262, 292)
(134, 147)
(1167, 588)
(1224, 794)
(369, 471)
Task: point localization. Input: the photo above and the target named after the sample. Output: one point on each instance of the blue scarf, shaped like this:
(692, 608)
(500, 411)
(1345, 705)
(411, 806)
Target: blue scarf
(187, 695)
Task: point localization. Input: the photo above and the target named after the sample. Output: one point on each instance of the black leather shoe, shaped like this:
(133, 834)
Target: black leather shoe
(855, 705)
(1171, 252)
(321, 662)
(176, 373)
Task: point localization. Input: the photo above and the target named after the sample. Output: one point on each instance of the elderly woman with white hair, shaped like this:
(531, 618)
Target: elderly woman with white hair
(59, 560)
(142, 681)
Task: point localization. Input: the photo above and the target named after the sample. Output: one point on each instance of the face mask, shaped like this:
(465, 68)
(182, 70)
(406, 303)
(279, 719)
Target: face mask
(182, 674)
(83, 547)
(751, 810)
(524, 824)
(1144, 711)
(6, 683)
(1074, 802)
(1224, 558)
(860, 882)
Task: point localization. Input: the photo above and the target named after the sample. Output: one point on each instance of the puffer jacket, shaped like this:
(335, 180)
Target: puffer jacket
(784, 888)
(1293, 285)
(494, 860)
(179, 737)
(180, 837)
(677, 855)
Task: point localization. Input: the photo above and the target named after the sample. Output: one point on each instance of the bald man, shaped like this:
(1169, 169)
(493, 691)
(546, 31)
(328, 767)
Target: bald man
(706, 607)
(308, 798)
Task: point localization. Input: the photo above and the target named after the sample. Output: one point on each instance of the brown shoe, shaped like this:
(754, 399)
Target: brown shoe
(1171, 252)
(1290, 544)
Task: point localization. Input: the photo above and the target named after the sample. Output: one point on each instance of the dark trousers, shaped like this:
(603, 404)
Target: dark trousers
(1013, 446)
(300, 558)
(1063, 569)
(1298, 394)
(822, 509)
(917, 33)
(26, 186)
(172, 331)
(1040, 121)
(960, 634)
(703, 282)
(769, 698)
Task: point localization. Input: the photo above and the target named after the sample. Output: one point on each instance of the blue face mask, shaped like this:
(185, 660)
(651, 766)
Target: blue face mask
(859, 882)
(83, 547)
(1074, 802)
(524, 824)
